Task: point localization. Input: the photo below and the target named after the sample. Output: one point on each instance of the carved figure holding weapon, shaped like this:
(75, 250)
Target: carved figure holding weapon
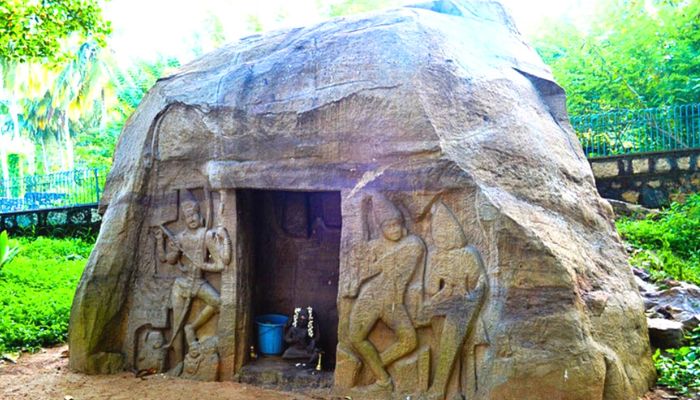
(194, 250)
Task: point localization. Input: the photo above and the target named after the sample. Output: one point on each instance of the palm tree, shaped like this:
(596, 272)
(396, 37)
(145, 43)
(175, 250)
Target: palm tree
(72, 93)
(10, 126)
(90, 97)
(38, 106)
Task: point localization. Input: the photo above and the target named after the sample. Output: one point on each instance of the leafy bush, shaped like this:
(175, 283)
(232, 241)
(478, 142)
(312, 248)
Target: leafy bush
(627, 56)
(668, 244)
(36, 292)
(7, 252)
(679, 369)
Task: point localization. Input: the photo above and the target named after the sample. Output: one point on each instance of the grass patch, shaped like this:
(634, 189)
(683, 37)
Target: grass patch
(36, 292)
(668, 244)
(679, 369)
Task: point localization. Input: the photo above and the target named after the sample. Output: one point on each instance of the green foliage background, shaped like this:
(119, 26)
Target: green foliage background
(39, 30)
(635, 54)
(668, 244)
(36, 292)
(680, 368)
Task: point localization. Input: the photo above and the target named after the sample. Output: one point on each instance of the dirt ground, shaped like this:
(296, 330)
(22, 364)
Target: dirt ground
(45, 375)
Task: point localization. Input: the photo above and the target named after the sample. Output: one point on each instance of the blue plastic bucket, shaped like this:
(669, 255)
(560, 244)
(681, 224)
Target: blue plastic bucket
(270, 333)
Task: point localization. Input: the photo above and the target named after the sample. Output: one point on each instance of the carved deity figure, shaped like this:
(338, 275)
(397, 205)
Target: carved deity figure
(151, 356)
(302, 335)
(194, 250)
(456, 285)
(389, 264)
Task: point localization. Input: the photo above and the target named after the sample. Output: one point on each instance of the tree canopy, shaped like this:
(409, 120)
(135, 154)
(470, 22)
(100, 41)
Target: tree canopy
(635, 54)
(38, 30)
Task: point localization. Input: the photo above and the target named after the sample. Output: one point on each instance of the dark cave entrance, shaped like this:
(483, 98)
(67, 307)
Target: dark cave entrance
(295, 258)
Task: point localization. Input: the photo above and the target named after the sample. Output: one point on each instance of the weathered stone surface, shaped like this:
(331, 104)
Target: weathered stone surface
(630, 196)
(665, 333)
(469, 238)
(273, 372)
(653, 198)
(623, 208)
(606, 169)
(679, 301)
(640, 166)
(662, 165)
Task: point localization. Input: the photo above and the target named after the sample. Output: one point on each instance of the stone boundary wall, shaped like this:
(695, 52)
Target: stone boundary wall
(54, 222)
(649, 179)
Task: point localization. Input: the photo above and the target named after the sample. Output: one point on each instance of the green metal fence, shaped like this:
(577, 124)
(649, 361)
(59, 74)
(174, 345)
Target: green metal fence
(61, 189)
(639, 131)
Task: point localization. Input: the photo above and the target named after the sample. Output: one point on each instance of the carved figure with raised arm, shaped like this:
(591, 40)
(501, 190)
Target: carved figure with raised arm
(194, 250)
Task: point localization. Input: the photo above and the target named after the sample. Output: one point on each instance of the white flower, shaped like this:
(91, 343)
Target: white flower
(310, 326)
(297, 310)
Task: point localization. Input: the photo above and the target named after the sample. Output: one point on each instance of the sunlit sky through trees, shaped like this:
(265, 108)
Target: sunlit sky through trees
(183, 29)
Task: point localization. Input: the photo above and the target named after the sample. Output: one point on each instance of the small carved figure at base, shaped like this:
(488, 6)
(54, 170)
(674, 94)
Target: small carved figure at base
(202, 360)
(152, 353)
(302, 335)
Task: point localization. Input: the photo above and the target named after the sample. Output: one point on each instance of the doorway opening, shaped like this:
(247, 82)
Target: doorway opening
(295, 264)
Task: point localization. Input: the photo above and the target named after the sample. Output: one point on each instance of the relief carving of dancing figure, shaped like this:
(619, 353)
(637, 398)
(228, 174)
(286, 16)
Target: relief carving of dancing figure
(194, 250)
(387, 266)
(457, 286)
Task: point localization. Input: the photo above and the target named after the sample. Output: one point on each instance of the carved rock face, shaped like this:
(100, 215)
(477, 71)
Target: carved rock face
(437, 116)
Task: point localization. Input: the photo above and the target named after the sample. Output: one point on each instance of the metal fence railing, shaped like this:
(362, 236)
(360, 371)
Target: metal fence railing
(639, 131)
(61, 189)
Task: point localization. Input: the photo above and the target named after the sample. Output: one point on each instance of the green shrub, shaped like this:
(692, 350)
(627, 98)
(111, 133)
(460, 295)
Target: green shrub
(7, 252)
(668, 244)
(36, 292)
(679, 369)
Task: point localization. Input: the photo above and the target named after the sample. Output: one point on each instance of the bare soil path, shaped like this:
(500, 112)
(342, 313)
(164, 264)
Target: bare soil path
(45, 375)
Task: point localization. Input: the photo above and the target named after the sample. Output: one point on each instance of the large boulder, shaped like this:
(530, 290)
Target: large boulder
(471, 225)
